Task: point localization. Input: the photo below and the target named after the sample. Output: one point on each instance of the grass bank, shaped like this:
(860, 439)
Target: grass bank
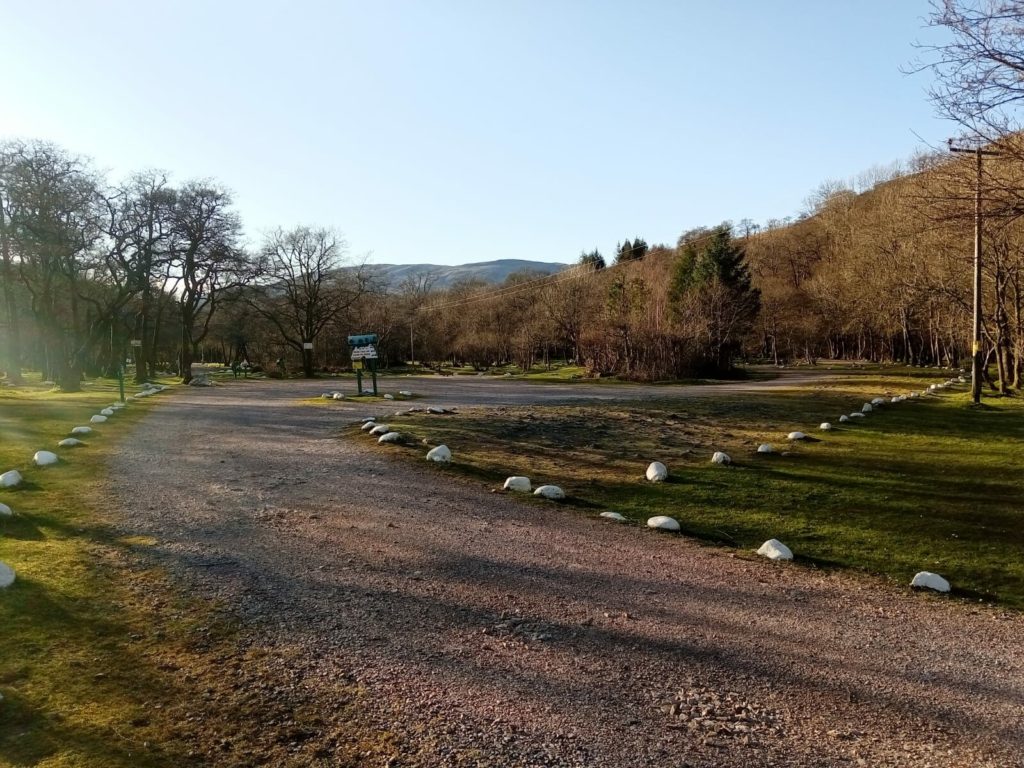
(928, 484)
(103, 663)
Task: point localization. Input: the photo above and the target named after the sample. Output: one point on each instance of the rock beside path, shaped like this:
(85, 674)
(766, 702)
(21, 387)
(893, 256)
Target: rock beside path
(774, 549)
(929, 580)
(663, 523)
(657, 472)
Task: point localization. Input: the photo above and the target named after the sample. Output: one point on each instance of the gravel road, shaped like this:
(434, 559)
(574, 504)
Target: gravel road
(485, 631)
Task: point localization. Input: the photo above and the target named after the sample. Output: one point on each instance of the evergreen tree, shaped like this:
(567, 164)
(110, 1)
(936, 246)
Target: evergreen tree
(594, 259)
(630, 250)
(711, 293)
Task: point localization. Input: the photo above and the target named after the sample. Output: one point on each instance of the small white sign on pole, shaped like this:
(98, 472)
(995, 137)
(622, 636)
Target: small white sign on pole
(307, 345)
(136, 342)
(369, 352)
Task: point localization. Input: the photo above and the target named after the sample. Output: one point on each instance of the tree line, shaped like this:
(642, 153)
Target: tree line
(876, 269)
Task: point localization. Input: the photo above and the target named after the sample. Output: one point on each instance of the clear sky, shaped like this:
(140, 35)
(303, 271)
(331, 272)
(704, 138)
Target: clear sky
(452, 131)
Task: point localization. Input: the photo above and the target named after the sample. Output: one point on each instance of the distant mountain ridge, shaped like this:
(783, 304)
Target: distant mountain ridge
(445, 275)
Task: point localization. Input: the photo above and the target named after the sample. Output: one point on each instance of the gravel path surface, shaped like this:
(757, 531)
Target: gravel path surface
(486, 631)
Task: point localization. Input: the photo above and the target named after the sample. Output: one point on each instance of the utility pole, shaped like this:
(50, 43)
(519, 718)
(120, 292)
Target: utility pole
(977, 355)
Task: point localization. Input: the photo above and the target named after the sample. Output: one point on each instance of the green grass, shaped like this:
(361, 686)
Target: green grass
(103, 663)
(931, 484)
(74, 671)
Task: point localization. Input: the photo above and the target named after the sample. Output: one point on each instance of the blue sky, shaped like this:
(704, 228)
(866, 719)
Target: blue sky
(459, 131)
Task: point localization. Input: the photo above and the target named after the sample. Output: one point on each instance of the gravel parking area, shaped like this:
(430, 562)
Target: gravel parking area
(483, 631)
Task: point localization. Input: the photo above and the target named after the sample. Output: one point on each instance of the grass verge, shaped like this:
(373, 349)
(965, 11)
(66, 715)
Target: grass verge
(928, 484)
(102, 662)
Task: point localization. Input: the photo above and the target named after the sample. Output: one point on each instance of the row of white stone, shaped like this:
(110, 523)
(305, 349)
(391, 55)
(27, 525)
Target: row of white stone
(773, 548)
(335, 395)
(13, 478)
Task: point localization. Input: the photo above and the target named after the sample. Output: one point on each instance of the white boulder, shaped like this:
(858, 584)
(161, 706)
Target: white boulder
(368, 425)
(70, 442)
(98, 419)
(405, 393)
(719, 457)
(389, 396)
(435, 410)
(774, 549)
(10, 479)
(897, 399)
(765, 448)
(657, 472)
(928, 580)
(441, 454)
(912, 395)
(825, 426)
(390, 437)
(663, 523)
(45, 458)
(338, 396)
(614, 516)
(552, 492)
(518, 483)
(867, 408)
(856, 415)
(877, 401)
(81, 430)
(796, 436)
(380, 429)
(843, 419)
(6, 511)
(6, 575)
(107, 412)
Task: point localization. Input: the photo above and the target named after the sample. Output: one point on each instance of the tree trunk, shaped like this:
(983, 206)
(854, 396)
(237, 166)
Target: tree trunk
(187, 354)
(307, 363)
(12, 349)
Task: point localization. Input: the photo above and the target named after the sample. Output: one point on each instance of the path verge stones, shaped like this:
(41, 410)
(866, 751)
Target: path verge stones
(10, 479)
(663, 523)
(518, 483)
(929, 580)
(657, 472)
(6, 575)
(441, 454)
(774, 549)
(45, 458)
(552, 492)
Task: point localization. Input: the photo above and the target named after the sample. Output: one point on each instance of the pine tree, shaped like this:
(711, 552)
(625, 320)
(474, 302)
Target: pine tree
(594, 259)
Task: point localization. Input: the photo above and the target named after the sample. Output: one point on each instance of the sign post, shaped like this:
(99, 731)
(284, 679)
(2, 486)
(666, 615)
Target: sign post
(136, 346)
(364, 355)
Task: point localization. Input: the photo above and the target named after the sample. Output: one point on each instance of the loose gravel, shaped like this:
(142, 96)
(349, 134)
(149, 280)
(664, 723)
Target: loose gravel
(485, 631)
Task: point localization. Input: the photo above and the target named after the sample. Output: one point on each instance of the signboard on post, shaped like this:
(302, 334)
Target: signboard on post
(364, 354)
(307, 345)
(136, 342)
(369, 352)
